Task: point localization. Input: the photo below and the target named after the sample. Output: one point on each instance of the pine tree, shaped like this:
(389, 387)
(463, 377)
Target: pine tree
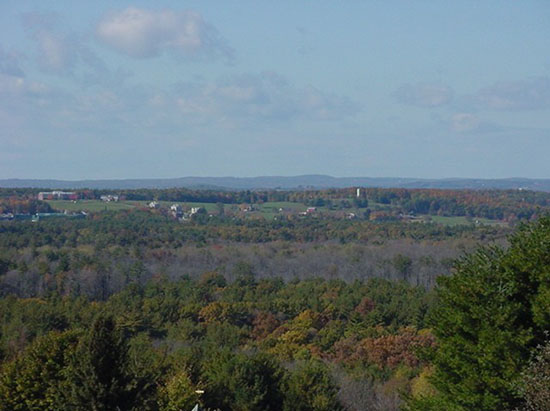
(491, 315)
(100, 376)
(311, 388)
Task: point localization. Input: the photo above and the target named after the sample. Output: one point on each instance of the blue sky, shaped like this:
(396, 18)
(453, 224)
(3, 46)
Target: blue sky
(211, 88)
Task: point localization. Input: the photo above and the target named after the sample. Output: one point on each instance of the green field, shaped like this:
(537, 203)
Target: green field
(267, 210)
(451, 221)
(166, 204)
(270, 210)
(88, 205)
(98, 205)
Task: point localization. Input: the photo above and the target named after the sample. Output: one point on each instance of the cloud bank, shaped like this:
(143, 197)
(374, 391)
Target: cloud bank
(264, 96)
(141, 33)
(58, 51)
(530, 94)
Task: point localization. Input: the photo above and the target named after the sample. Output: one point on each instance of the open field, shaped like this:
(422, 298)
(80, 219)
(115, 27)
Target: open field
(166, 204)
(267, 210)
(98, 205)
(88, 205)
(465, 221)
(271, 209)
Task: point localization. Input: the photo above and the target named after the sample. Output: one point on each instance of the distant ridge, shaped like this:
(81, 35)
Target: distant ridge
(285, 183)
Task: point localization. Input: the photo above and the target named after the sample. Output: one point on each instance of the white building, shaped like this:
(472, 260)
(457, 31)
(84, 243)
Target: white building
(195, 210)
(176, 210)
(57, 195)
(108, 198)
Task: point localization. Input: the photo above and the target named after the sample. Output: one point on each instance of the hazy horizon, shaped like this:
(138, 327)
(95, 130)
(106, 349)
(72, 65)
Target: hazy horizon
(276, 176)
(399, 89)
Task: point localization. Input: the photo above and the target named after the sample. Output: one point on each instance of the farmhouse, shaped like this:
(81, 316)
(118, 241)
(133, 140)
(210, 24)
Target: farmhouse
(109, 198)
(195, 210)
(245, 208)
(176, 210)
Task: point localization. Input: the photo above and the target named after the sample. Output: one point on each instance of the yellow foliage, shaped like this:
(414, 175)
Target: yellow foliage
(178, 393)
(421, 386)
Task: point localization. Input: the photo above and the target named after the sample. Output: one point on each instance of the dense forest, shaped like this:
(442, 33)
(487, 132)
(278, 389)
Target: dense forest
(138, 310)
(107, 251)
(251, 344)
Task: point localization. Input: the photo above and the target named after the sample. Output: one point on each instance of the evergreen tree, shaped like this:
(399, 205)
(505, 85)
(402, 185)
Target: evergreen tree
(243, 382)
(100, 375)
(491, 315)
(311, 388)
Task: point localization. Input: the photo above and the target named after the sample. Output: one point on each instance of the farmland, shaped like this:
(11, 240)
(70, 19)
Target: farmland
(267, 210)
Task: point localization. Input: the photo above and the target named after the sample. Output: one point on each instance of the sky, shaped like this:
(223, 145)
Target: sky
(141, 89)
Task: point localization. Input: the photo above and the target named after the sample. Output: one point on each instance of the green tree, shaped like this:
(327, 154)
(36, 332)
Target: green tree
(4, 265)
(403, 265)
(100, 375)
(311, 388)
(491, 314)
(243, 382)
(179, 392)
(35, 380)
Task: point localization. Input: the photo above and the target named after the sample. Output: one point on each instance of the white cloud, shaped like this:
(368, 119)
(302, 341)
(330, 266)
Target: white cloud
(144, 33)
(266, 96)
(424, 94)
(531, 94)
(62, 52)
(57, 52)
(17, 86)
(246, 102)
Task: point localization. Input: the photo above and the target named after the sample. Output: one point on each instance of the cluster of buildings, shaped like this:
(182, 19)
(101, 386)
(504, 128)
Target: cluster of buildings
(177, 210)
(109, 198)
(309, 211)
(71, 195)
(57, 195)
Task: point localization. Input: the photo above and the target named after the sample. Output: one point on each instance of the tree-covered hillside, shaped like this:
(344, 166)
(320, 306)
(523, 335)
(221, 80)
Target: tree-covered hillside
(140, 309)
(250, 345)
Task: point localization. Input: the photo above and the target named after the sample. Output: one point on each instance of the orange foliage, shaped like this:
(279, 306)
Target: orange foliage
(365, 306)
(264, 323)
(387, 351)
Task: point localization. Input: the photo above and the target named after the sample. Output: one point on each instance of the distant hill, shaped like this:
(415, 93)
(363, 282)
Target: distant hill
(287, 183)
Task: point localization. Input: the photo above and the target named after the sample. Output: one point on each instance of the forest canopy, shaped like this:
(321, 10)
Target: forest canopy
(140, 309)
